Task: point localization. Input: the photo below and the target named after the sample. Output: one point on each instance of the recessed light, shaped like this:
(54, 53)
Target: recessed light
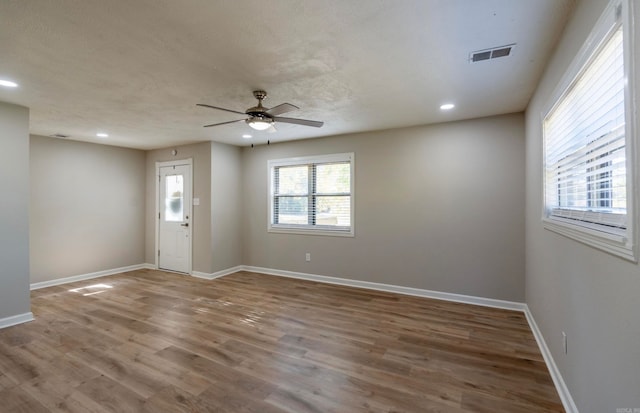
(102, 135)
(247, 136)
(447, 106)
(8, 83)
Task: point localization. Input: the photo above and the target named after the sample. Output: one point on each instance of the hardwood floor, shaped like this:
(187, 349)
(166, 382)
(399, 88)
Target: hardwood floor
(150, 341)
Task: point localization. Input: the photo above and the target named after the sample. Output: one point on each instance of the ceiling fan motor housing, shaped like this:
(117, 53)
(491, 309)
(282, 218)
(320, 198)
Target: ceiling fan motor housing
(259, 111)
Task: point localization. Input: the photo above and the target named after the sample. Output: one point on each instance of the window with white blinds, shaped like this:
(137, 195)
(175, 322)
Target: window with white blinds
(312, 194)
(586, 138)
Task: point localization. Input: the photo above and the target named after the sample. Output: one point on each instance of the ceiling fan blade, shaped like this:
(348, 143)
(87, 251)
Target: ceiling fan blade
(224, 123)
(280, 109)
(314, 123)
(215, 107)
(272, 129)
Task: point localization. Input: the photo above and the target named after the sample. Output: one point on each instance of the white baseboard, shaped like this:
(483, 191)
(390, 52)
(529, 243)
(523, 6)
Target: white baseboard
(558, 381)
(459, 298)
(16, 319)
(561, 387)
(148, 266)
(88, 276)
(218, 274)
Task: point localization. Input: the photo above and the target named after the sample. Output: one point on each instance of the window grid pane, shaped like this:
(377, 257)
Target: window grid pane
(292, 210)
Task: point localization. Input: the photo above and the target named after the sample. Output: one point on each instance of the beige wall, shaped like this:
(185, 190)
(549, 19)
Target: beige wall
(201, 155)
(87, 208)
(590, 295)
(14, 211)
(438, 207)
(97, 178)
(226, 206)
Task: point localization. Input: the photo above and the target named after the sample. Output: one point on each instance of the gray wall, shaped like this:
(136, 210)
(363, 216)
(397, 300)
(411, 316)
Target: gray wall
(201, 155)
(226, 206)
(87, 208)
(14, 210)
(592, 296)
(438, 207)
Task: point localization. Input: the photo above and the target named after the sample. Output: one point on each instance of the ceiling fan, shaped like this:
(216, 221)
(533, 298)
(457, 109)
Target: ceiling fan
(261, 118)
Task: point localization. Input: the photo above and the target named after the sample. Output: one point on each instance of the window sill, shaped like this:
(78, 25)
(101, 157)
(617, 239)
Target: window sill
(302, 231)
(615, 244)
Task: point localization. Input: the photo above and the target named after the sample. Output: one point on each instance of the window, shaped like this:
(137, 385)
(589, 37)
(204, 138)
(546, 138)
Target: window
(312, 195)
(588, 141)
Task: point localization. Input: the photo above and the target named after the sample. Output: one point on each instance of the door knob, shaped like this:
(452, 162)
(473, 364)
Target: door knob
(186, 224)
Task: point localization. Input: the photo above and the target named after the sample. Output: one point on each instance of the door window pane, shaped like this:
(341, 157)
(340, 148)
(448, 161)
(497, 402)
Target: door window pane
(173, 202)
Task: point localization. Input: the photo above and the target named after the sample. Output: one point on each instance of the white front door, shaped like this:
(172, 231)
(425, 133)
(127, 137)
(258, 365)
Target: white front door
(174, 226)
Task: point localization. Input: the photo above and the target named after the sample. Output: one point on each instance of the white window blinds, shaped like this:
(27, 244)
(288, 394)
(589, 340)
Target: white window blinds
(585, 161)
(312, 194)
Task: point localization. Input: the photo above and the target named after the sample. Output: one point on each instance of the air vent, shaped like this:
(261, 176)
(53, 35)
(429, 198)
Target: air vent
(59, 135)
(493, 53)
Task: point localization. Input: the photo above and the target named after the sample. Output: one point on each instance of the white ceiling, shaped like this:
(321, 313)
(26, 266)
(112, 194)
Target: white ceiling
(137, 68)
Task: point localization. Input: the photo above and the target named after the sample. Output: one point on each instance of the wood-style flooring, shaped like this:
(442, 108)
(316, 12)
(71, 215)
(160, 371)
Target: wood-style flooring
(150, 341)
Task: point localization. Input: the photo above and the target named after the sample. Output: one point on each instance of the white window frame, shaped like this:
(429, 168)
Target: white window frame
(617, 241)
(310, 229)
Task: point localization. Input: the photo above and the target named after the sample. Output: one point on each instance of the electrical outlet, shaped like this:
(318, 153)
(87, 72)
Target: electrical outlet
(564, 342)
(307, 256)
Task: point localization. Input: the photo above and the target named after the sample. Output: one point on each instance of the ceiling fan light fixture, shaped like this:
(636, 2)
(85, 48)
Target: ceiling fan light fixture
(260, 124)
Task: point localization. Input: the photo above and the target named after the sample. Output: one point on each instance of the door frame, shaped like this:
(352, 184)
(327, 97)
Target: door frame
(159, 164)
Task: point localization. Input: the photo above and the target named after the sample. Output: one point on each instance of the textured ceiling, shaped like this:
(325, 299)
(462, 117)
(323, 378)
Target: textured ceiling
(136, 69)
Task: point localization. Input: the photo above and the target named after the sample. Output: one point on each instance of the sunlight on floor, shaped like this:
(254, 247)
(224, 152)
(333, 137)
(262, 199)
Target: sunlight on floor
(92, 289)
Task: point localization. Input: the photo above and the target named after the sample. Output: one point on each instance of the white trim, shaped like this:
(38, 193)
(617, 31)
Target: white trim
(312, 229)
(561, 387)
(617, 12)
(438, 295)
(217, 274)
(631, 123)
(558, 381)
(605, 24)
(82, 277)
(16, 319)
(292, 229)
(617, 245)
(301, 160)
(149, 266)
(554, 372)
